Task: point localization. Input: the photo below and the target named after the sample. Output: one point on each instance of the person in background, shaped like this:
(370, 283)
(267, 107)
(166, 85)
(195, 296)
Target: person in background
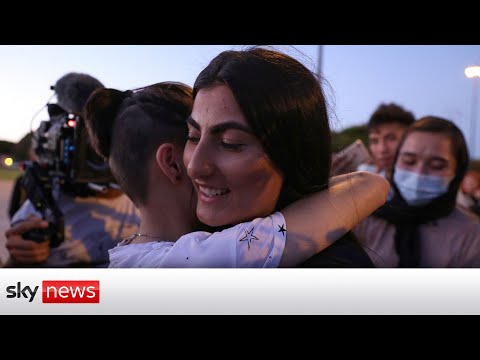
(385, 129)
(466, 193)
(476, 196)
(421, 225)
(94, 222)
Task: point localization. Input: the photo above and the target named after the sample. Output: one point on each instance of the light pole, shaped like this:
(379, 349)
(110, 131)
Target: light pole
(472, 72)
(319, 61)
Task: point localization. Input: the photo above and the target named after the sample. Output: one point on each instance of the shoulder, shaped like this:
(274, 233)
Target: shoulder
(258, 231)
(127, 255)
(371, 223)
(461, 224)
(462, 218)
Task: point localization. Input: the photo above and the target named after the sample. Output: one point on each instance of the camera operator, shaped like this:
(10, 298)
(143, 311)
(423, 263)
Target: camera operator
(93, 215)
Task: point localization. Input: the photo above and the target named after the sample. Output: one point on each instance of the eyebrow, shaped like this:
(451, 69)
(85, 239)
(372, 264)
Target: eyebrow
(376, 134)
(222, 127)
(437, 158)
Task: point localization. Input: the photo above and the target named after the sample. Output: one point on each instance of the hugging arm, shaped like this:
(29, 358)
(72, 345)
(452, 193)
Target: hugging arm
(315, 222)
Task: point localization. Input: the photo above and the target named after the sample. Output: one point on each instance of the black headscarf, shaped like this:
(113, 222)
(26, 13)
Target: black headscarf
(407, 219)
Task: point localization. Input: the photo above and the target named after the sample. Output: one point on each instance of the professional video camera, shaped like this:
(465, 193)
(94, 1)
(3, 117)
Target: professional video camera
(64, 157)
(61, 146)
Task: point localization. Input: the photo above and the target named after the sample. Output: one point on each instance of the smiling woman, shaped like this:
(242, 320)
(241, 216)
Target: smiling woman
(234, 178)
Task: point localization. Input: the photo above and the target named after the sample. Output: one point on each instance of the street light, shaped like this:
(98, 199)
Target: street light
(472, 72)
(319, 61)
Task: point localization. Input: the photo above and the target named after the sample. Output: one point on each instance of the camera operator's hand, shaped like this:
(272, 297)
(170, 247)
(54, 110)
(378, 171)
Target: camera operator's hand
(26, 252)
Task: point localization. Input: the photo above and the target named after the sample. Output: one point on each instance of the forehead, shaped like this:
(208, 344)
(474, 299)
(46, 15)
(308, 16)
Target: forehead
(428, 144)
(216, 104)
(472, 176)
(385, 129)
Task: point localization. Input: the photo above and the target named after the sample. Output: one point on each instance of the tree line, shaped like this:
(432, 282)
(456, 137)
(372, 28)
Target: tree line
(18, 151)
(340, 140)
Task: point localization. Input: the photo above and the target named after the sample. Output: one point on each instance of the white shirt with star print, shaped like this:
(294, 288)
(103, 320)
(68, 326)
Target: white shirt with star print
(254, 244)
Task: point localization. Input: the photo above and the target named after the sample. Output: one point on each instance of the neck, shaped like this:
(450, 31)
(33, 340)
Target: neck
(169, 211)
(167, 224)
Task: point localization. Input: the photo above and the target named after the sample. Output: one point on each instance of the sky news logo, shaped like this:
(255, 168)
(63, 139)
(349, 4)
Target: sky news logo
(59, 292)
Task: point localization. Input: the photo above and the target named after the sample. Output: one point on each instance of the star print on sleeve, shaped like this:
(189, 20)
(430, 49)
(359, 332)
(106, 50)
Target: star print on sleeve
(248, 237)
(282, 229)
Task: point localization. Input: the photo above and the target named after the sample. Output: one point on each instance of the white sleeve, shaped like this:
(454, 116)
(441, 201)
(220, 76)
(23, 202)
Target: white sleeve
(255, 244)
(260, 243)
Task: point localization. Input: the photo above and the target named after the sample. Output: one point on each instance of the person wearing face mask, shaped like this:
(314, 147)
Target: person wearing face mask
(420, 226)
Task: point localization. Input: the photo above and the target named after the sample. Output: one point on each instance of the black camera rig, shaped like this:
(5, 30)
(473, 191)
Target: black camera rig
(65, 159)
(61, 144)
(38, 185)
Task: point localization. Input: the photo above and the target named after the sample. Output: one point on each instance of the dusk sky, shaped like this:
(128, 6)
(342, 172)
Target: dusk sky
(427, 80)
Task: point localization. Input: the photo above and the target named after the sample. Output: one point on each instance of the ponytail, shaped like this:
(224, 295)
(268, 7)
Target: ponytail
(100, 112)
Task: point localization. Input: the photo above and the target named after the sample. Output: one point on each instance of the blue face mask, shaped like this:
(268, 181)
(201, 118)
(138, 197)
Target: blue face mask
(419, 189)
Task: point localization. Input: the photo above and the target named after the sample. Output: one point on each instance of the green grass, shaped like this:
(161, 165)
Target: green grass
(9, 174)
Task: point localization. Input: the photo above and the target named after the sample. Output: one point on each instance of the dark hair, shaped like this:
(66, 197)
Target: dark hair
(127, 128)
(285, 107)
(439, 125)
(390, 113)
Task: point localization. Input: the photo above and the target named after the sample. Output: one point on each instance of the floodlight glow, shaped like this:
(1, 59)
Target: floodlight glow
(472, 71)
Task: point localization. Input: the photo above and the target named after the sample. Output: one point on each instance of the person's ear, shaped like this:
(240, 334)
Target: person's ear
(169, 162)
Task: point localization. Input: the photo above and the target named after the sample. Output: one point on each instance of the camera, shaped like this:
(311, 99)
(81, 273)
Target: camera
(64, 157)
(61, 145)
